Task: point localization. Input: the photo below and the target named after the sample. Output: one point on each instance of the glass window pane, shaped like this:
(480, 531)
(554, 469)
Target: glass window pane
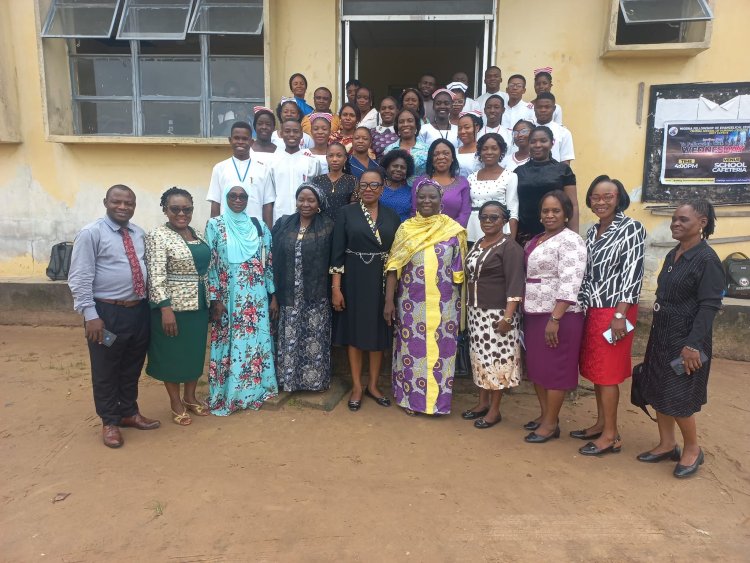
(154, 19)
(415, 7)
(80, 18)
(223, 114)
(172, 118)
(191, 45)
(228, 16)
(170, 76)
(650, 11)
(104, 76)
(105, 118)
(235, 44)
(237, 77)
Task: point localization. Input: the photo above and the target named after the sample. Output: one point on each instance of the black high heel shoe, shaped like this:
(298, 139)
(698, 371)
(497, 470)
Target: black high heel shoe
(473, 415)
(535, 438)
(682, 471)
(382, 401)
(591, 449)
(647, 457)
(581, 435)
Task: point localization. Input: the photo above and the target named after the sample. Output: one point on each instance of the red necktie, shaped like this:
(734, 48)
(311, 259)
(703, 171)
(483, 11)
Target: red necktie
(139, 286)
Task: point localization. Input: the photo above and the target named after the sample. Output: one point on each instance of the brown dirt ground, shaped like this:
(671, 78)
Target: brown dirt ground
(305, 485)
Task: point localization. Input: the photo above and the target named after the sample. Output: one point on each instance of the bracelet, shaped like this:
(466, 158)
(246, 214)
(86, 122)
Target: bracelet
(692, 349)
(554, 319)
(336, 286)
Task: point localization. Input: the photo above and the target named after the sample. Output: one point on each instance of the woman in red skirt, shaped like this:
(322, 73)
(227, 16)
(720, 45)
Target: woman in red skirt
(610, 290)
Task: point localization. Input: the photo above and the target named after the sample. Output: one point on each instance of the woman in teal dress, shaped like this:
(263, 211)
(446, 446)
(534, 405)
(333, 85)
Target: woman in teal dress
(177, 259)
(241, 372)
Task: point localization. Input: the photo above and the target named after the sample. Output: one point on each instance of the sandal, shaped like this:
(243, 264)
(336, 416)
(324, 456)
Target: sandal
(182, 419)
(201, 409)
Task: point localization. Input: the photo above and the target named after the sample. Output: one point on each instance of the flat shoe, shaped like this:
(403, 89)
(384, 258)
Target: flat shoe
(382, 401)
(581, 435)
(473, 415)
(532, 425)
(647, 457)
(481, 423)
(591, 449)
(535, 438)
(409, 412)
(354, 405)
(682, 471)
(200, 409)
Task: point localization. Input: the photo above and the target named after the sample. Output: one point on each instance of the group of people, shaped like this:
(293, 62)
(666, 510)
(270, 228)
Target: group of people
(393, 233)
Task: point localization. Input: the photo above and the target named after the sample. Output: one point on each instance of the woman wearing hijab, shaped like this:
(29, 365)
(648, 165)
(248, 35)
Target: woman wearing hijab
(241, 371)
(301, 251)
(424, 275)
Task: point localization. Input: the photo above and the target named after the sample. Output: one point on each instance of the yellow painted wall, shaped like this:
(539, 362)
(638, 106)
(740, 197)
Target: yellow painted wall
(50, 189)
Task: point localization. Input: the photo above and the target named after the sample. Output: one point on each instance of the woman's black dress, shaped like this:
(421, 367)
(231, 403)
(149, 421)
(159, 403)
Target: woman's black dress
(688, 295)
(361, 323)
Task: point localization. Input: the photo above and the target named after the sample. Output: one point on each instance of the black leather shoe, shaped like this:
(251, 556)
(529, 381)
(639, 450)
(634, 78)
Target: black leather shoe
(481, 423)
(682, 471)
(591, 449)
(354, 406)
(473, 415)
(581, 435)
(535, 438)
(382, 401)
(531, 425)
(673, 454)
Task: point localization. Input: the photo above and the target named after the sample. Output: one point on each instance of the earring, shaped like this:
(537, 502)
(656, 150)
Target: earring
(566, 219)
(441, 208)
(318, 209)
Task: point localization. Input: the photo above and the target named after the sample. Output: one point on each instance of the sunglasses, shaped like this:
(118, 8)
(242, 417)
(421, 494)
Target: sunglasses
(176, 210)
(491, 218)
(240, 197)
(372, 186)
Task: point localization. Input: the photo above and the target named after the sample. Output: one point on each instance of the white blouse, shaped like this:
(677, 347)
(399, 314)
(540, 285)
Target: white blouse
(503, 189)
(428, 134)
(468, 163)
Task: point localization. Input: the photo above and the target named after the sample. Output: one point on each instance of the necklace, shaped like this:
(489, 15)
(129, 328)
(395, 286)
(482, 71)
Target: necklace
(236, 169)
(301, 232)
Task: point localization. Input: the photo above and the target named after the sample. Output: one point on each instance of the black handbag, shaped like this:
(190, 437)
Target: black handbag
(59, 261)
(737, 272)
(463, 362)
(638, 388)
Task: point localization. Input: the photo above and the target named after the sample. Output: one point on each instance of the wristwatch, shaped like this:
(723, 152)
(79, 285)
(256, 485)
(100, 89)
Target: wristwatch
(508, 320)
(619, 316)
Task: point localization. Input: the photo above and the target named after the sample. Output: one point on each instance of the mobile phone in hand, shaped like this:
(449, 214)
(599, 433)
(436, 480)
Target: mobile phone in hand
(108, 338)
(607, 334)
(679, 368)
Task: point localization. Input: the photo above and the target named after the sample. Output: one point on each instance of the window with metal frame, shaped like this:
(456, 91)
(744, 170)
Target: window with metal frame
(154, 19)
(227, 16)
(657, 11)
(81, 18)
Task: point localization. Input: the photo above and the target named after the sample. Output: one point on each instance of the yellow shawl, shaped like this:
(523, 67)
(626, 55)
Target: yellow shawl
(419, 233)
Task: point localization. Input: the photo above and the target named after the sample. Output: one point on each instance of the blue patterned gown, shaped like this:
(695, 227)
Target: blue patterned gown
(241, 370)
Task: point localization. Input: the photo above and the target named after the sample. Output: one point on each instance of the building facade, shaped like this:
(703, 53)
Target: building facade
(130, 93)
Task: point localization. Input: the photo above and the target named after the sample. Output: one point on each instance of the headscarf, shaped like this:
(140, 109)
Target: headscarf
(323, 115)
(242, 236)
(547, 69)
(443, 90)
(419, 233)
(319, 195)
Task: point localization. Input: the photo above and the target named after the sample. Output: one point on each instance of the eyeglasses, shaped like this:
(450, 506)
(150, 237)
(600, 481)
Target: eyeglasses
(372, 186)
(491, 218)
(176, 210)
(522, 132)
(609, 198)
(514, 85)
(240, 197)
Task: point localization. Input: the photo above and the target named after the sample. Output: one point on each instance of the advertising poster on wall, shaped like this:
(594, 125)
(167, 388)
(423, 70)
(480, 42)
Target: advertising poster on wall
(706, 153)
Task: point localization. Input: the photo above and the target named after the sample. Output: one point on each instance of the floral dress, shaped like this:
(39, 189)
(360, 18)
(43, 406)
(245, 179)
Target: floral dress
(241, 370)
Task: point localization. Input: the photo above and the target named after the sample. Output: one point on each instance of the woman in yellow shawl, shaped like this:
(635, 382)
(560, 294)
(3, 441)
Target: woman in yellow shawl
(425, 274)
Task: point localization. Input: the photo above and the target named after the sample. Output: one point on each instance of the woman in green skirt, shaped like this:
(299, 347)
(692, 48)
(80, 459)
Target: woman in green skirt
(177, 259)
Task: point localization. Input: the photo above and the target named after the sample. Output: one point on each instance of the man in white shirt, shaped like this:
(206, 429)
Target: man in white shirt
(241, 170)
(516, 108)
(562, 146)
(493, 78)
(291, 167)
(543, 83)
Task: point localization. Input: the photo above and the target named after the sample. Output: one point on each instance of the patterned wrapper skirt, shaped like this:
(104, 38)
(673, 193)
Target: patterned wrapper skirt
(495, 358)
(603, 363)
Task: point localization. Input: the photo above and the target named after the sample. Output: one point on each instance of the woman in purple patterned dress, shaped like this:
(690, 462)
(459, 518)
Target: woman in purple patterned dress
(424, 274)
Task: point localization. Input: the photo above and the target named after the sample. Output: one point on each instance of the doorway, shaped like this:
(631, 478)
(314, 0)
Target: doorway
(391, 56)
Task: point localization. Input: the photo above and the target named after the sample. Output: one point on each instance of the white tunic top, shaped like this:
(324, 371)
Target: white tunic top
(252, 174)
(428, 133)
(503, 189)
(501, 130)
(468, 163)
(288, 172)
(481, 100)
(370, 120)
(305, 143)
(510, 162)
(562, 148)
(321, 158)
(522, 110)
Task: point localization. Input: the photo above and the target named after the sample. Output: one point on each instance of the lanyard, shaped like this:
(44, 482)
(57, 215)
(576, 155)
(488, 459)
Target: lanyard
(241, 178)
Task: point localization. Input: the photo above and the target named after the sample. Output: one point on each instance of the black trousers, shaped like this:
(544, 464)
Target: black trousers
(115, 370)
